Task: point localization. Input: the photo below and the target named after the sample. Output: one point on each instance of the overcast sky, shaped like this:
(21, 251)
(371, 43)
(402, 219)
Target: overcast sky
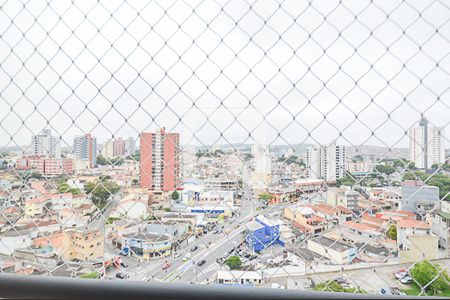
(217, 70)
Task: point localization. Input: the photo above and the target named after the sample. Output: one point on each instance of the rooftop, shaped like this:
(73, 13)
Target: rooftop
(253, 225)
(444, 215)
(362, 227)
(148, 236)
(330, 243)
(411, 223)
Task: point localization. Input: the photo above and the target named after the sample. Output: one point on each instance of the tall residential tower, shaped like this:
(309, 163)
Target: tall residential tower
(85, 149)
(426, 145)
(160, 160)
(45, 144)
(326, 162)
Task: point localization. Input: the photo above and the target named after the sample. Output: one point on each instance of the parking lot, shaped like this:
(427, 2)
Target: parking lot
(372, 280)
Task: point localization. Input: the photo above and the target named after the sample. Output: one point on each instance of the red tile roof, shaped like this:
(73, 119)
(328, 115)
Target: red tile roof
(362, 227)
(411, 223)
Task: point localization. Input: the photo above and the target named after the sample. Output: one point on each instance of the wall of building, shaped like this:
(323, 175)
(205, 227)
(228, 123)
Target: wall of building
(420, 247)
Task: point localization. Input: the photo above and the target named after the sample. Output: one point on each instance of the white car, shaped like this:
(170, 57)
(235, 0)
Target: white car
(186, 257)
(177, 254)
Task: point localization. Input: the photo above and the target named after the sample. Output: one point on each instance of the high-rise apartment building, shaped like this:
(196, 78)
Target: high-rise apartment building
(85, 149)
(326, 162)
(45, 144)
(108, 149)
(160, 160)
(130, 146)
(119, 147)
(426, 145)
(263, 160)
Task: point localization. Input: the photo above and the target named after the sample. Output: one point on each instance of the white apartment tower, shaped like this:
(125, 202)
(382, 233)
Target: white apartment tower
(263, 160)
(130, 146)
(45, 144)
(326, 162)
(108, 149)
(426, 145)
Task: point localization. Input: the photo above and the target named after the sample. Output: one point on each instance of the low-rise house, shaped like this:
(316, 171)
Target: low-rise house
(415, 241)
(308, 186)
(34, 207)
(337, 252)
(370, 253)
(73, 244)
(175, 229)
(282, 195)
(338, 213)
(239, 277)
(317, 218)
(365, 231)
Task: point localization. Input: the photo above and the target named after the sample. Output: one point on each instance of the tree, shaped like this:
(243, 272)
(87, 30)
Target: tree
(234, 262)
(92, 275)
(392, 232)
(64, 187)
(114, 161)
(3, 165)
(175, 195)
(248, 156)
(265, 196)
(101, 190)
(385, 169)
(408, 176)
(348, 181)
(36, 175)
(431, 276)
(101, 160)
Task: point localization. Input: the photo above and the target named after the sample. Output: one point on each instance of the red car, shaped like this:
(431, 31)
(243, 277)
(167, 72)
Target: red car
(166, 265)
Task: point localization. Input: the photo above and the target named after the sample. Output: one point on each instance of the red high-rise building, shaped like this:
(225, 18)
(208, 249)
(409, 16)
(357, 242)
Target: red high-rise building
(160, 160)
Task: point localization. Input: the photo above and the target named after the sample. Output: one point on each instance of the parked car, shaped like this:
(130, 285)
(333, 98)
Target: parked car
(341, 279)
(177, 254)
(186, 257)
(401, 273)
(121, 275)
(194, 248)
(406, 280)
(216, 231)
(201, 263)
(124, 264)
(166, 265)
(386, 291)
(397, 291)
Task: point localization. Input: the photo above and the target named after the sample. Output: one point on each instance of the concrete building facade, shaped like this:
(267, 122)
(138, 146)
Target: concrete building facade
(160, 160)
